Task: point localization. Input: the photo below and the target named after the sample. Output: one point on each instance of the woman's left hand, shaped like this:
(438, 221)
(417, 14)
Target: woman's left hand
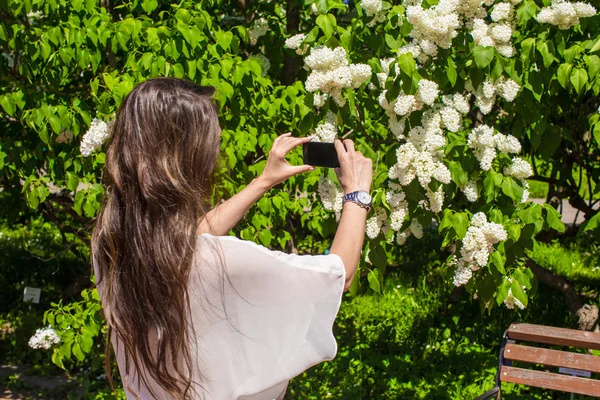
(277, 168)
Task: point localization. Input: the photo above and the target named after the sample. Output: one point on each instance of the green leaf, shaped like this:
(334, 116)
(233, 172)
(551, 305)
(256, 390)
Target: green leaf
(149, 5)
(483, 56)
(526, 50)
(512, 189)
(531, 214)
(460, 223)
(327, 23)
(374, 278)
(407, 64)
(578, 79)
(564, 71)
(265, 237)
(593, 63)
(593, 223)
(546, 49)
(518, 293)
(77, 352)
(451, 72)
(503, 291)
(553, 218)
(377, 257)
(8, 104)
(498, 262)
(72, 181)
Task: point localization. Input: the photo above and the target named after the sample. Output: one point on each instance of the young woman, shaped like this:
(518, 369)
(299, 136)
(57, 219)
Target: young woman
(193, 313)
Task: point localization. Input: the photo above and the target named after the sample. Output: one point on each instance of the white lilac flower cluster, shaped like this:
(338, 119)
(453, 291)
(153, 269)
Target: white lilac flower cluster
(420, 158)
(327, 130)
(565, 14)
(373, 8)
(259, 28)
(438, 24)
(470, 191)
(331, 195)
(477, 246)
(485, 142)
(377, 223)
(511, 301)
(485, 95)
(519, 169)
(331, 72)
(494, 35)
(395, 198)
(294, 43)
(95, 136)
(44, 338)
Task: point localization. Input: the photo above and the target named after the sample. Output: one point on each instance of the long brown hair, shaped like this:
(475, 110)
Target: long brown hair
(159, 166)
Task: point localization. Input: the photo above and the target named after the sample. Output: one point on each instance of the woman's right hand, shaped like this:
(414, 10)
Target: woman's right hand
(355, 171)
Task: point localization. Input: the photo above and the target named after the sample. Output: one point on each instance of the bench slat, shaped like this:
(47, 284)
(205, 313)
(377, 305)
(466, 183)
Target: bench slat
(554, 358)
(552, 335)
(547, 380)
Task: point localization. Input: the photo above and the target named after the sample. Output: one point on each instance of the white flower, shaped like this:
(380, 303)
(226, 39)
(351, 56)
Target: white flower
(519, 169)
(508, 89)
(375, 223)
(416, 229)
(451, 118)
(319, 100)
(259, 28)
(397, 126)
(331, 72)
(360, 73)
(479, 240)
(510, 302)
(314, 9)
(44, 338)
(327, 130)
(331, 195)
(405, 104)
(436, 199)
(565, 14)
(428, 91)
(501, 33)
(371, 7)
(402, 236)
(484, 140)
(470, 191)
(462, 274)
(438, 24)
(501, 12)
(94, 137)
(294, 42)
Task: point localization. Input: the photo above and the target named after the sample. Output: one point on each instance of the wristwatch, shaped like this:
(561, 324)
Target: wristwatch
(359, 197)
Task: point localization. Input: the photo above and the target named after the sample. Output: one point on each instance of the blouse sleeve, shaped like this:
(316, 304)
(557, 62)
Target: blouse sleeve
(280, 309)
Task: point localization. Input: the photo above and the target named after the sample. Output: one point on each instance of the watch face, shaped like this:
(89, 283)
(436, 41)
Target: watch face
(364, 197)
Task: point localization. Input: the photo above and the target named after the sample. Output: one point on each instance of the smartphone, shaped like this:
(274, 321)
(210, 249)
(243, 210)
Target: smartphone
(320, 154)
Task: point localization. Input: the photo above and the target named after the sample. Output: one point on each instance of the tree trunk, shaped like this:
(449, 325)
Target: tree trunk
(290, 63)
(587, 314)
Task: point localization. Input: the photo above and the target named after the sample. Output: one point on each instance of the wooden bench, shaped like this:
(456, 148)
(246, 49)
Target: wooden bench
(511, 351)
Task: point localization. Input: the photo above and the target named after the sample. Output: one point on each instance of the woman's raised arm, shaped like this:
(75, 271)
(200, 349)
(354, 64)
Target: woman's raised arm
(220, 220)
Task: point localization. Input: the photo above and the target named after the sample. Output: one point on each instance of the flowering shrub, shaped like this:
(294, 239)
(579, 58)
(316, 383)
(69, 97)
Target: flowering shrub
(458, 103)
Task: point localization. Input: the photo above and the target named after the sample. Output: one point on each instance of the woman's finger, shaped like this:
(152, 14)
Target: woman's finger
(349, 146)
(299, 169)
(278, 138)
(289, 144)
(339, 148)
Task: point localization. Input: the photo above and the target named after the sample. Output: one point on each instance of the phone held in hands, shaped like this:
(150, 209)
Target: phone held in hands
(320, 154)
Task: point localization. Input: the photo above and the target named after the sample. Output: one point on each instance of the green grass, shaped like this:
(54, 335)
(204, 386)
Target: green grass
(571, 260)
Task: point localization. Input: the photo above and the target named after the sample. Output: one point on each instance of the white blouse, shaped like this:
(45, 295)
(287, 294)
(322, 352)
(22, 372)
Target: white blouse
(260, 317)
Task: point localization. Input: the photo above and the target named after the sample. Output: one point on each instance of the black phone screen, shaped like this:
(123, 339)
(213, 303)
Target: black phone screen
(320, 154)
